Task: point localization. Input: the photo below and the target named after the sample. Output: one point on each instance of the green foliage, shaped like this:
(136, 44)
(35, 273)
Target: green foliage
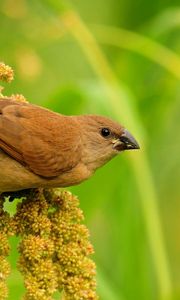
(131, 204)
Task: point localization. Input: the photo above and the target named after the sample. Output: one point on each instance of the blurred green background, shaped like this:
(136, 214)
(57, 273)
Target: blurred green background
(121, 59)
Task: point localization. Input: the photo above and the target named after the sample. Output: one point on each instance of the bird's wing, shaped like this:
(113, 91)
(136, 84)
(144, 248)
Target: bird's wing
(45, 142)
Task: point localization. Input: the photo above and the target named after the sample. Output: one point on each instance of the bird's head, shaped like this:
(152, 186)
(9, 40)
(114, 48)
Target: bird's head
(103, 139)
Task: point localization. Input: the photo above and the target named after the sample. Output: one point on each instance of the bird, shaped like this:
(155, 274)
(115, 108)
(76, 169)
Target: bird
(40, 148)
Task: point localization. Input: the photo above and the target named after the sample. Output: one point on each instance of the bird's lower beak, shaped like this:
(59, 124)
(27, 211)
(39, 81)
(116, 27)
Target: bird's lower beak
(126, 142)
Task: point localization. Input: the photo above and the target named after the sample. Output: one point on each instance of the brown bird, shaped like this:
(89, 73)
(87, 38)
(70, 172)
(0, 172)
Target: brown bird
(41, 148)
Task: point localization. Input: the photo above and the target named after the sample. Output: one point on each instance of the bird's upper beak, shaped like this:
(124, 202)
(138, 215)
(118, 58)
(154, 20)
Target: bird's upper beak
(126, 142)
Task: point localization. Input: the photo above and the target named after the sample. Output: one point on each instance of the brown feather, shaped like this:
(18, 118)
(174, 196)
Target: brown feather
(46, 142)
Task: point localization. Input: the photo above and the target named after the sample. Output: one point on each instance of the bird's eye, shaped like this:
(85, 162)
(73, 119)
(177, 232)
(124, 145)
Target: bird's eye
(105, 132)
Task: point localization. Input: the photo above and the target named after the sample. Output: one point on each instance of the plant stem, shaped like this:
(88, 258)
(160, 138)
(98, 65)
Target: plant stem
(140, 44)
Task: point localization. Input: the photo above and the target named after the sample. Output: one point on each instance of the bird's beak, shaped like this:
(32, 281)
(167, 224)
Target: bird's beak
(126, 142)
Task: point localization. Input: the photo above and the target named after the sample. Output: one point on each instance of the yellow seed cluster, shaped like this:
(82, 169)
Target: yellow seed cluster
(76, 272)
(54, 248)
(6, 73)
(31, 216)
(3, 290)
(4, 251)
(36, 249)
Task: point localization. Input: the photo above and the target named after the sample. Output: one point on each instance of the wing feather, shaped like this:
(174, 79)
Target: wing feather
(46, 142)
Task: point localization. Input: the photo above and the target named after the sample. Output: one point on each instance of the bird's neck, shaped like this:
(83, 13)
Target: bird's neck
(93, 160)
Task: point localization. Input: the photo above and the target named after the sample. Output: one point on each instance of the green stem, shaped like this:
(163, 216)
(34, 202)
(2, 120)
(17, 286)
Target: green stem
(140, 44)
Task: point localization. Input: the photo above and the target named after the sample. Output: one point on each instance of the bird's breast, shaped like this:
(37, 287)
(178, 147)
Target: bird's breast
(14, 176)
